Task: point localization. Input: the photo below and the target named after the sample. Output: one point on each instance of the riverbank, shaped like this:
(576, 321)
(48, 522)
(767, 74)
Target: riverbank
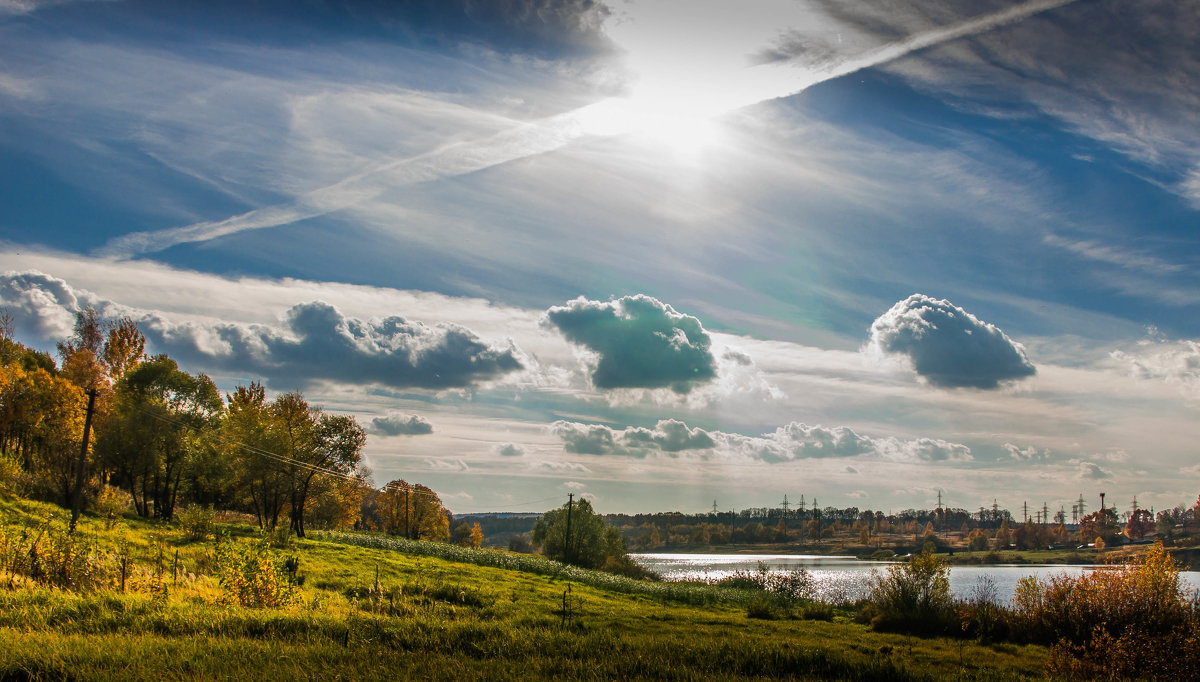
(224, 604)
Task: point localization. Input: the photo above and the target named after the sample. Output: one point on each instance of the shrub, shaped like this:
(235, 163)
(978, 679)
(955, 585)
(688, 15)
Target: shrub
(912, 597)
(197, 522)
(255, 576)
(111, 502)
(13, 481)
(1128, 621)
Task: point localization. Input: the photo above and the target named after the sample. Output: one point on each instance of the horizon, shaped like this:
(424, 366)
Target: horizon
(561, 246)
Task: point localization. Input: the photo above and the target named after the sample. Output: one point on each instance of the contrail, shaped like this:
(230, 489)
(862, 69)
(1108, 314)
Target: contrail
(525, 140)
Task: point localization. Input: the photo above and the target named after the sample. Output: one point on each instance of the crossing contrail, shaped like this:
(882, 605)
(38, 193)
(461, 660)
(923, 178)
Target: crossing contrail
(524, 140)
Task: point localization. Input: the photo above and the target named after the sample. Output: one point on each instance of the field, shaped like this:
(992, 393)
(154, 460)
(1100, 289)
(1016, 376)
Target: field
(401, 610)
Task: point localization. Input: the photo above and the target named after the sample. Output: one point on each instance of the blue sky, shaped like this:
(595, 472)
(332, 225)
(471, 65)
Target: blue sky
(655, 252)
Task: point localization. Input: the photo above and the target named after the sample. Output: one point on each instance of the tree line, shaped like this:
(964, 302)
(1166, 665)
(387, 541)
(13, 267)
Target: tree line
(162, 438)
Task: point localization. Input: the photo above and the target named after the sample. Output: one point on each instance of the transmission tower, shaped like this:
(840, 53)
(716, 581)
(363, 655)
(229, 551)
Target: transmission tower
(784, 504)
(800, 507)
(714, 507)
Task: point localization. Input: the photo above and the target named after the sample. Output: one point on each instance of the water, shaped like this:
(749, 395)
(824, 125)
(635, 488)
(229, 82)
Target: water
(843, 577)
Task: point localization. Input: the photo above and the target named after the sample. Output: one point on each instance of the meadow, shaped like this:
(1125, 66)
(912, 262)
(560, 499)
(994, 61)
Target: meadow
(206, 599)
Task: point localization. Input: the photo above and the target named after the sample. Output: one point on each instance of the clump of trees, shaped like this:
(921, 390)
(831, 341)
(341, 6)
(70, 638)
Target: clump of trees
(575, 534)
(167, 438)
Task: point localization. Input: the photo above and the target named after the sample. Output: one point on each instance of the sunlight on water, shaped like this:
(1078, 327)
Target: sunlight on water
(838, 578)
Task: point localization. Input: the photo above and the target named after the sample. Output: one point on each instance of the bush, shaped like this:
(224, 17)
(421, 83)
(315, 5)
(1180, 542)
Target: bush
(255, 576)
(197, 522)
(912, 597)
(1128, 621)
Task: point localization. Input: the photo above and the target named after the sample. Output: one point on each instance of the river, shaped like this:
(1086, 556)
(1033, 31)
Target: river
(843, 577)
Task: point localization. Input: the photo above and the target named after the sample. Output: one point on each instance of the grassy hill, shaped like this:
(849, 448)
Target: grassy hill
(222, 602)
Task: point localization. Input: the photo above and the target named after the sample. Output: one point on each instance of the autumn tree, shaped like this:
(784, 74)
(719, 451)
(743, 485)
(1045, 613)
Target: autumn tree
(316, 444)
(1139, 523)
(124, 348)
(1101, 523)
(413, 509)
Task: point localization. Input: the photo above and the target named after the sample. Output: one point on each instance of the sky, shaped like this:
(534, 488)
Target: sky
(659, 253)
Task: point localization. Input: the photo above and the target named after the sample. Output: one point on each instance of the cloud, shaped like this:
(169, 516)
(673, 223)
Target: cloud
(559, 467)
(315, 342)
(922, 450)
(787, 443)
(948, 346)
(397, 424)
(510, 450)
(1026, 454)
(575, 485)
(668, 435)
(446, 464)
(640, 342)
(802, 441)
(1090, 471)
(1177, 362)
(851, 470)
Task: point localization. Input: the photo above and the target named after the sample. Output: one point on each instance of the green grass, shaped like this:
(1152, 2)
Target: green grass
(438, 612)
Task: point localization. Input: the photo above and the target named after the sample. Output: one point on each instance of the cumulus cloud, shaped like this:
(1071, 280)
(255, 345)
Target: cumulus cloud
(948, 346)
(1177, 362)
(639, 341)
(1090, 471)
(397, 424)
(787, 443)
(510, 450)
(1025, 454)
(801, 441)
(314, 342)
(668, 435)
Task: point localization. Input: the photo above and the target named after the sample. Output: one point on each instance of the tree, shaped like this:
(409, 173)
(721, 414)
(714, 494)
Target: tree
(1101, 523)
(1003, 536)
(336, 449)
(415, 509)
(253, 443)
(88, 335)
(590, 543)
(476, 535)
(159, 412)
(1140, 523)
(124, 348)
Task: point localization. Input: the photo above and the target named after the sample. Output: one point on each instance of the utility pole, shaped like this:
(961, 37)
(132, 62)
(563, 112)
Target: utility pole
(567, 547)
(1025, 508)
(1101, 501)
(939, 498)
(77, 492)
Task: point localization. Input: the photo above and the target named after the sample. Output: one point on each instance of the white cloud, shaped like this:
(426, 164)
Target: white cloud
(948, 346)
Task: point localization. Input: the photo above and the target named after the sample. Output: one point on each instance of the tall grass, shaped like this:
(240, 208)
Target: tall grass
(679, 592)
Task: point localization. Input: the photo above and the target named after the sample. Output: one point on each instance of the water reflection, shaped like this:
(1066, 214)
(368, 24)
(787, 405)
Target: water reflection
(843, 577)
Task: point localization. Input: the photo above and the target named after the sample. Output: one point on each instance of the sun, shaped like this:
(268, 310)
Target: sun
(652, 123)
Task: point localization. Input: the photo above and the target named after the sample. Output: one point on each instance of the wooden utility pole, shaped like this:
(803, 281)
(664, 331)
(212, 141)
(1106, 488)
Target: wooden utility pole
(77, 492)
(567, 548)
